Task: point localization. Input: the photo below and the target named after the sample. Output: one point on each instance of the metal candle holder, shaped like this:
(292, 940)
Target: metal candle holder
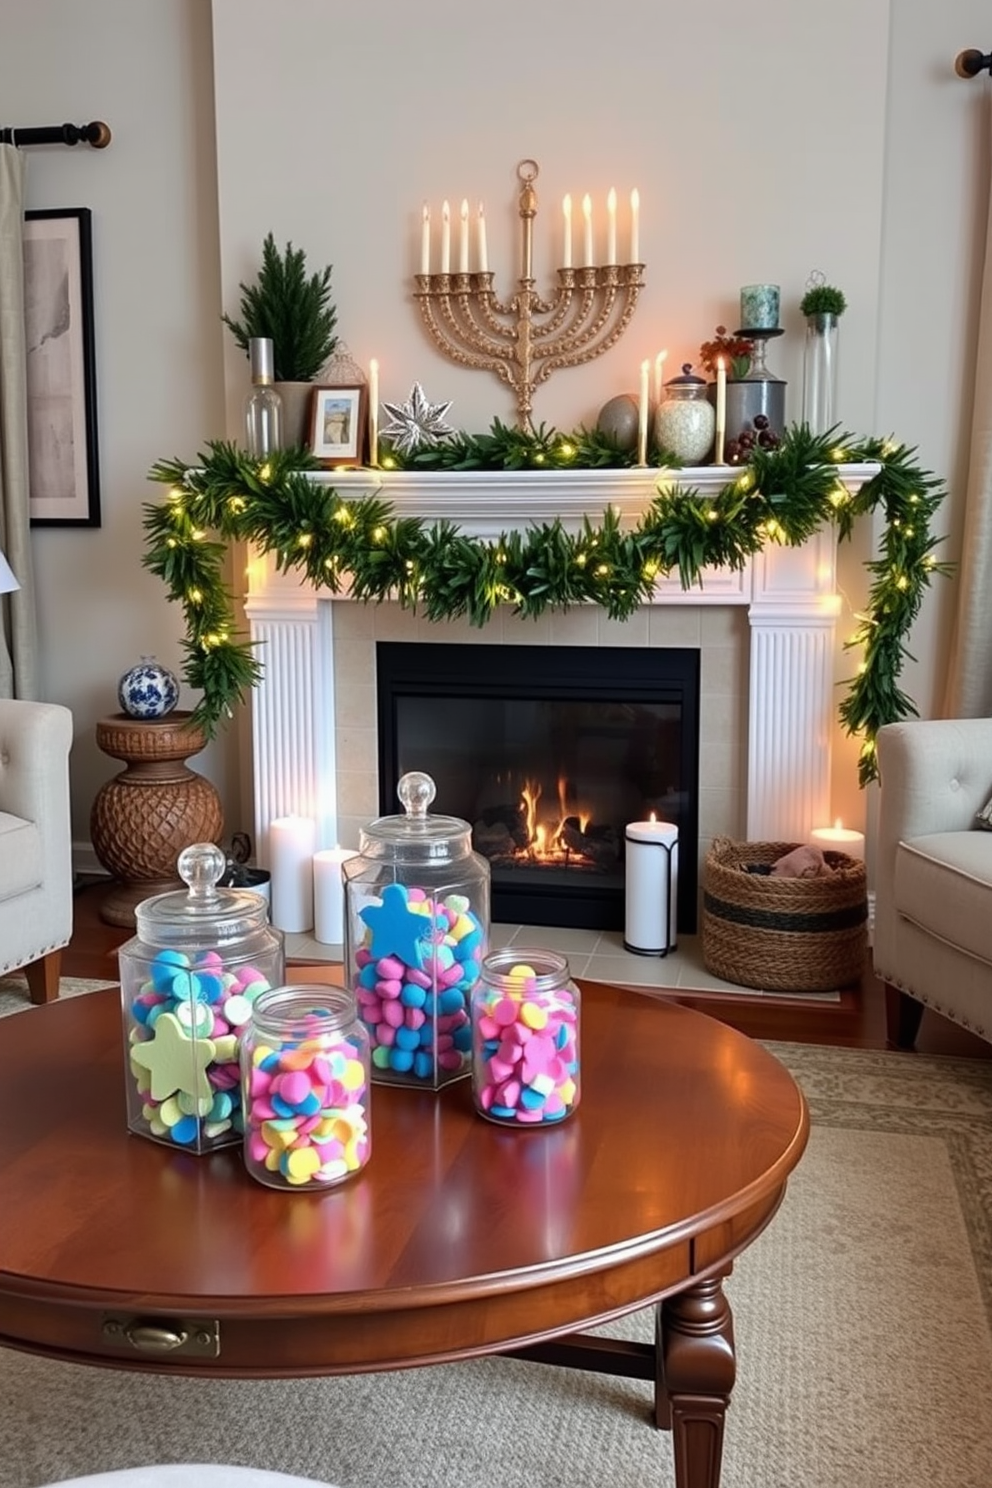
(589, 312)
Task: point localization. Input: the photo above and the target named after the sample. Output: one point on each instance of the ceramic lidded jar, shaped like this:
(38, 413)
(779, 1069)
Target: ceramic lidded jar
(685, 421)
(148, 690)
(416, 931)
(189, 977)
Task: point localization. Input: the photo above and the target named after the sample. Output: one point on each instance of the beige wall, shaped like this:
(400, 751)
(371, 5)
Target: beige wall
(764, 143)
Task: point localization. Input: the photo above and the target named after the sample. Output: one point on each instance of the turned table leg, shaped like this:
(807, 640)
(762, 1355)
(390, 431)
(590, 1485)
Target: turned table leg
(696, 1371)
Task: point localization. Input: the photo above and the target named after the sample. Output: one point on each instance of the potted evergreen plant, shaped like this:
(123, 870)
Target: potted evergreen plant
(295, 310)
(822, 305)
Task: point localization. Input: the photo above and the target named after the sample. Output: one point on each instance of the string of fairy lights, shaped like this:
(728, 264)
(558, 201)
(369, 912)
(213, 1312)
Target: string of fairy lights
(358, 545)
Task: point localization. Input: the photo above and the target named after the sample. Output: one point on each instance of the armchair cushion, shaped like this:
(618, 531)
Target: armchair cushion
(35, 841)
(933, 867)
(20, 856)
(942, 885)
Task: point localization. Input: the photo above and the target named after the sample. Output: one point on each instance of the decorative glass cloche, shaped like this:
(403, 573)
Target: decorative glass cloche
(148, 690)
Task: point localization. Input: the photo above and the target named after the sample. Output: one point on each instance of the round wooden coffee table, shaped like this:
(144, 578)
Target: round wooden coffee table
(459, 1238)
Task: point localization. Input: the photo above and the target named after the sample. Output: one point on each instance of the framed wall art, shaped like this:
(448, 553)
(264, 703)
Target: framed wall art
(338, 422)
(61, 368)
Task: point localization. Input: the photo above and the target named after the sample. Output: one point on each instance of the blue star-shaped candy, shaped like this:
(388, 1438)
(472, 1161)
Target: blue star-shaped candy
(397, 930)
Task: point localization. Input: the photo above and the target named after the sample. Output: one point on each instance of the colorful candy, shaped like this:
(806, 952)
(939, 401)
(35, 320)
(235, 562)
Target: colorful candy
(184, 1035)
(525, 1048)
(413, 975)
(306, 1101)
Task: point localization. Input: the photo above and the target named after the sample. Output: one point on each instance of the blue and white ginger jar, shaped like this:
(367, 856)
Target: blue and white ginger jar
(148, 690)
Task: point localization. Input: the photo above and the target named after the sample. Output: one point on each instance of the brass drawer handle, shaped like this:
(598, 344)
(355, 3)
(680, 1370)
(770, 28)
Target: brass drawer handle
(197, 1338)
(153, 1340)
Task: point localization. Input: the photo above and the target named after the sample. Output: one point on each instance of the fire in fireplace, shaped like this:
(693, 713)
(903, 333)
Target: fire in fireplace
(548, 752)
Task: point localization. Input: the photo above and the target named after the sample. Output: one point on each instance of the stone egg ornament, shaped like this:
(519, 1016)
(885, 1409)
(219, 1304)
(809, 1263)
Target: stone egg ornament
(148, 690)
(619, 419)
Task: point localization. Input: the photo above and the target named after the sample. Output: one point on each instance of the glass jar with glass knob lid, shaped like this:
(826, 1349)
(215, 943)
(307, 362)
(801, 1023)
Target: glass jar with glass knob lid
(189, 977)
(416, 930)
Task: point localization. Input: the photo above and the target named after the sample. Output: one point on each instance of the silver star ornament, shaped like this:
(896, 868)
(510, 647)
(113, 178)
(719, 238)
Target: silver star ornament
(416, 423)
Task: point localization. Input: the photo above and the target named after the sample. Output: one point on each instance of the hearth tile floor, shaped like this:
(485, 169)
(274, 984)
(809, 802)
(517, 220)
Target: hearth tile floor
(597, 956)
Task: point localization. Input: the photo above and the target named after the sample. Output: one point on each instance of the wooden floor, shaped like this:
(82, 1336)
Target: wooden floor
(857, 1021)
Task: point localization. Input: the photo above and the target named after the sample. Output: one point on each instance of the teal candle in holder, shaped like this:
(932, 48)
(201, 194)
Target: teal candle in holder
(759, 307)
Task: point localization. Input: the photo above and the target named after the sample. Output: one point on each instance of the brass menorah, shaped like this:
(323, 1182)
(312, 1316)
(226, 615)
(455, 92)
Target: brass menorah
(589, 312)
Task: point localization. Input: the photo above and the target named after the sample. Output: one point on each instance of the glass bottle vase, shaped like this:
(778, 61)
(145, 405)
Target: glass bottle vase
(820, 372)
(263, 405)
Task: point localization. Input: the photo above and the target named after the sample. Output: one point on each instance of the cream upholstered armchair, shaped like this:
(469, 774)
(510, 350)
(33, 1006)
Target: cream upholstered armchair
(35, 842)
(933, 874)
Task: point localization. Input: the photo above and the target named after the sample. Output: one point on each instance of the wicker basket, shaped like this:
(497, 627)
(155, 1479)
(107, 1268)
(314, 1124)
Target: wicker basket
(782, 934)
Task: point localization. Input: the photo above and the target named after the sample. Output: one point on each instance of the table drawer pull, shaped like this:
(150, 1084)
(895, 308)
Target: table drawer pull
(196, 1337)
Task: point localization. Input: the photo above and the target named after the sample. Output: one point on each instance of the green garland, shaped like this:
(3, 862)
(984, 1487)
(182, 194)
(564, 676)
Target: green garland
(783, 495)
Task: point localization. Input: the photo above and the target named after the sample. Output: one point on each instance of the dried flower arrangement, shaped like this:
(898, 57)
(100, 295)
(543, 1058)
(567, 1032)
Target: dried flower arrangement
(736, 351)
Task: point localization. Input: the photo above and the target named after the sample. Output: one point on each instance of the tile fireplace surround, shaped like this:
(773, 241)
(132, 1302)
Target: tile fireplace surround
(766, 635)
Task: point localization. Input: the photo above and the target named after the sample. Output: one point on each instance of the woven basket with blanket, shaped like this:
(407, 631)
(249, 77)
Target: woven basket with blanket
(778, 933)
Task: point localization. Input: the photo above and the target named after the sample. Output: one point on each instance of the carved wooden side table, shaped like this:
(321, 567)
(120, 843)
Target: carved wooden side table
(143, 818)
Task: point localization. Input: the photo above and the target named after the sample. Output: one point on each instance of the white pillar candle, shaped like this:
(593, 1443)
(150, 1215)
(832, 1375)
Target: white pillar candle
(587, 230)
(566, 252)
(373, 412)
(839, 839)
(425, 240)
(611, 227)
(463, 239)
(642, 415)
(328, 894)
(291, 845)
(659, 376)
(635, 226)
(445, 238)
(652, 878)
(483, 250)
(721, 410)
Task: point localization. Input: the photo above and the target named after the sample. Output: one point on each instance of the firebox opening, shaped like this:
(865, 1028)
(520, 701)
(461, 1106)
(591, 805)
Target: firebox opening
(548, 752)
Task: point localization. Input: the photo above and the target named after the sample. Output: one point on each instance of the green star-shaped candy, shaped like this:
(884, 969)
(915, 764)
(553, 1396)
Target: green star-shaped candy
(396, 929)
(174, 1060)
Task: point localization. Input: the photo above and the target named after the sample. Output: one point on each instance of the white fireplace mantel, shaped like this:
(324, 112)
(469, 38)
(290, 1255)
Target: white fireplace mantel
(791, 595)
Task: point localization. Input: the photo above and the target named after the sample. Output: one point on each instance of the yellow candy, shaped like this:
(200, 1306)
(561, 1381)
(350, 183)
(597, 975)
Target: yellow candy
(533, 1016)
(170, 1111)
(463, 926)
(353, 1075)
(300, 1164)
(567, 1090)
(260, 1053)
(520, 973)
(275, 1136)
(226, 1047)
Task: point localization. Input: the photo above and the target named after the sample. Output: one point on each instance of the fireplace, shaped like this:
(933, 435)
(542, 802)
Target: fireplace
(548, 752)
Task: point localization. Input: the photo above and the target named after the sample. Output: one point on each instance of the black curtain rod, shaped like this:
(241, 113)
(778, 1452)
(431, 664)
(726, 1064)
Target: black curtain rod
(96, 134)
(970, 63)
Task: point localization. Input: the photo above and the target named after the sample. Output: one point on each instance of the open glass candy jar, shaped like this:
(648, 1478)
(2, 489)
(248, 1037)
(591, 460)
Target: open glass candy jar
(525, 1038)
(305, 1088)
(416, 930)
(189, 977)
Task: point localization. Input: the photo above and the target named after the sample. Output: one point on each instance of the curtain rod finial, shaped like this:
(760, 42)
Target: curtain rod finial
(971, 62)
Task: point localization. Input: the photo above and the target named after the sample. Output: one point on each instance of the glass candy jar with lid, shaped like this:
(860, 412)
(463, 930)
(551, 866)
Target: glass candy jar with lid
(525, 1038)
(305, 1088)
(189, 977)
(685, 421)
(416, 930)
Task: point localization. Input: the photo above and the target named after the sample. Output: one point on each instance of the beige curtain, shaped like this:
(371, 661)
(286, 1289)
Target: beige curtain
(969, 679)
(18, 633)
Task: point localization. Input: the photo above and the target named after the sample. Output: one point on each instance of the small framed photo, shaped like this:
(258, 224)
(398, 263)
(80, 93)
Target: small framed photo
(61, 368)
(338, 425)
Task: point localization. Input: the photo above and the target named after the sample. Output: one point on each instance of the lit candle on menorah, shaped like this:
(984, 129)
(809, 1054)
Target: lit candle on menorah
(526, 338)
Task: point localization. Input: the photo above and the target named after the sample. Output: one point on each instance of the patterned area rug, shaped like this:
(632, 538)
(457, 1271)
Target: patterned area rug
(863, 1321)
